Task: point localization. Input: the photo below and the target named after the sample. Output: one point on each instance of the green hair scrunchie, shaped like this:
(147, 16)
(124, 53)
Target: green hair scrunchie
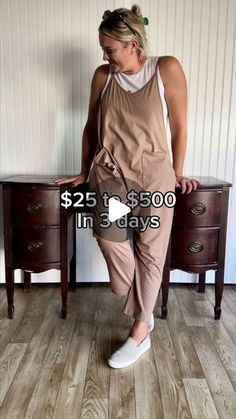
(145, 20)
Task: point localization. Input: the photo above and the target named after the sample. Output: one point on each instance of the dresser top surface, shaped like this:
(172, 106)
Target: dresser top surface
(42, 179)
(210, 182)
(205, 181)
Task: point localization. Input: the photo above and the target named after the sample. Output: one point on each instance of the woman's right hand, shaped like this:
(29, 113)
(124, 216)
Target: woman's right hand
(74, 180)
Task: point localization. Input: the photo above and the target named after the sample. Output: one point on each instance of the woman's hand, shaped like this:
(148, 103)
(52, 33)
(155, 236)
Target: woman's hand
(74, 180)
(187, 185)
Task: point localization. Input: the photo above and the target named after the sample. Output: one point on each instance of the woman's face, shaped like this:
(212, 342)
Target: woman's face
(116, 53)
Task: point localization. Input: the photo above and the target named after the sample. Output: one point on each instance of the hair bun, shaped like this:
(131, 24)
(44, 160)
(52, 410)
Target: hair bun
(137, 11)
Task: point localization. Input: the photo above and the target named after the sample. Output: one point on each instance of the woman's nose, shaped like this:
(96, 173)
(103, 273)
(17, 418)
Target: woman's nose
(105, 56)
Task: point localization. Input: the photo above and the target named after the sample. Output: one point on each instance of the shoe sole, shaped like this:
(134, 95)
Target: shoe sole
(150, 329)
(114, 364)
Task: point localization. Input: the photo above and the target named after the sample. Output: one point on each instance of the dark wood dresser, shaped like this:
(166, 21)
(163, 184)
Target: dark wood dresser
(198, 237)
(39, 234)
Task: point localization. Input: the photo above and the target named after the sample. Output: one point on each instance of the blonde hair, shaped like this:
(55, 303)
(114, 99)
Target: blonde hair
(123, 24)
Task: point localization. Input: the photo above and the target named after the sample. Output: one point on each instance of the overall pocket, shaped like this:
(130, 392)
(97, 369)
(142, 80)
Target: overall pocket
(99, 154)
(106, 180)
(104, 166)
(105, 175)
(157, 170)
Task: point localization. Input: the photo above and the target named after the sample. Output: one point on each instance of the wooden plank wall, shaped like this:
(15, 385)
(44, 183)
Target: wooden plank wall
(49, 51)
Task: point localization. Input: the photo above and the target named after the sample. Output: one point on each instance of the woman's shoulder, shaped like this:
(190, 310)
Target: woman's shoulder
(101, 72)
(168, 67)
(168, 61)
(100, 77)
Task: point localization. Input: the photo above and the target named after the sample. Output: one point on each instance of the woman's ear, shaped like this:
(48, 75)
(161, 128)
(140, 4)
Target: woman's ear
(133, 45)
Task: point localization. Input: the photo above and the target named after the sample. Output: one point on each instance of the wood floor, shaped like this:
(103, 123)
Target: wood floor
(54, 368)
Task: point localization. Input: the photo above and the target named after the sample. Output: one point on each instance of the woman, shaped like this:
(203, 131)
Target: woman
(131, 97)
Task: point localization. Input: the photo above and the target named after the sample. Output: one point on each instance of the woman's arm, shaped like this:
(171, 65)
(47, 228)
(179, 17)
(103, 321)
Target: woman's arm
(176, 98)
(90, 133)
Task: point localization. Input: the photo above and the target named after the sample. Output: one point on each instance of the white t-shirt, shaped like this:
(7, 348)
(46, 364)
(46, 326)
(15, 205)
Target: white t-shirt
(134, 82)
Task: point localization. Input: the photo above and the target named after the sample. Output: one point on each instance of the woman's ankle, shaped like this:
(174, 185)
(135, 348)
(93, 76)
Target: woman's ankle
(139, 331)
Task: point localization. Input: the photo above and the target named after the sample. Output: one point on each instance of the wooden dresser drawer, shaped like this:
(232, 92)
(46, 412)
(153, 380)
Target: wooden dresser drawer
(39, 234)
(41, 245)
(194, 246)
(198, 209)
(34, 206)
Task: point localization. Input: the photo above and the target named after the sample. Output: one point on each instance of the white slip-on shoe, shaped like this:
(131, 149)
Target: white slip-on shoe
(129, 352)
(151, 324)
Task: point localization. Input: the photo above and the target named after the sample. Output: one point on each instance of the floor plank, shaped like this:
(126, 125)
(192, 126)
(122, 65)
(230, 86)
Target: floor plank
(57, 369)
(173, 395)
(199, 399)
(60, 343)
(147, 388)
(185, 352)
(20, 392)
(43, 400)
(230, 299)
(218, 381)
(37, 301)
(95, 408)
(227, 315)
(121, 394)
(3, 297)
(9, 326)
(233, 288)
(194, 294)
(188, 307)
(70, 396)
(98, 373)
(221, 340)
(9, 363)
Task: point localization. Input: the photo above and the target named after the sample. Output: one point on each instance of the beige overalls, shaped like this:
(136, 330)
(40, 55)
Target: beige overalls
(133, 145)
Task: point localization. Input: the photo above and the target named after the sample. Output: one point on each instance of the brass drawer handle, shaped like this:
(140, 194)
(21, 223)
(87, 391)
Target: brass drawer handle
(195, 247)
(197, 208)
(35, 245)
(34, 207)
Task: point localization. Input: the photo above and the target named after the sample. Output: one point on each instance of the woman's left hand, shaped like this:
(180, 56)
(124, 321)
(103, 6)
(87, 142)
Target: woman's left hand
(187, 185)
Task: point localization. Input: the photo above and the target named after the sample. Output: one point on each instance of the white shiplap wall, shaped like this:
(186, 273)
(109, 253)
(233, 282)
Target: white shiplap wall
(49, 51)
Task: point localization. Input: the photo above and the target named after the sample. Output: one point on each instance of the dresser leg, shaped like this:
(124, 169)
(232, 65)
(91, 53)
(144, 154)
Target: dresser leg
(10, 291)
(64, 292)
(73, 260)
(165, 291)
(73, 274)
(219, 283)
(27, 281)
(202, 282)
